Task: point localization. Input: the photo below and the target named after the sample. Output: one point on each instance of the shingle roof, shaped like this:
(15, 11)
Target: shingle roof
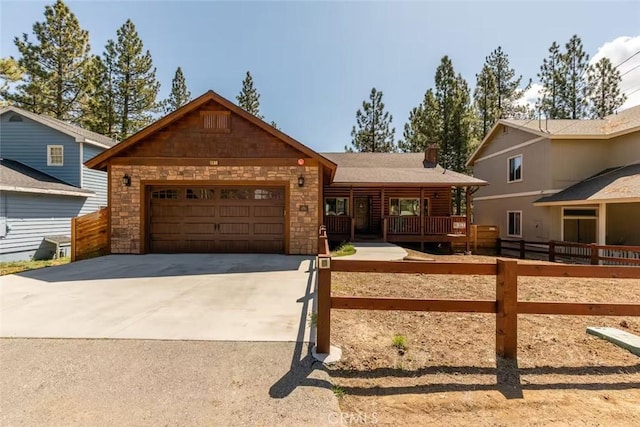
(393, 168)
(612, 124)
(16, 176)
(610, 184)
(64, 127)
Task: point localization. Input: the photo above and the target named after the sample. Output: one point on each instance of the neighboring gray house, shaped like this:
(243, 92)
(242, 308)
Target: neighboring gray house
(571, 180)
(43, 182)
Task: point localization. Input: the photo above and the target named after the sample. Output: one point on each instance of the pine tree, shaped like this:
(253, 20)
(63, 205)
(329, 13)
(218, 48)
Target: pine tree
(573, 95)
(54, 65)
(552, 81)
(422, 127)
(179, 95)
(605, 96)
(10, 72)
(485, 101)
(452, 95)
(506, 84)
(100, 105)
(249, 98)
(373, 132)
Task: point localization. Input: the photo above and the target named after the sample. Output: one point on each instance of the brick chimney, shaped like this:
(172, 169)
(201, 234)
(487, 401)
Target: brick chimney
(431, 154)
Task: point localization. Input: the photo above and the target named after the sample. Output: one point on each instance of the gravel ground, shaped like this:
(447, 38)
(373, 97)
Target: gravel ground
(170, 383)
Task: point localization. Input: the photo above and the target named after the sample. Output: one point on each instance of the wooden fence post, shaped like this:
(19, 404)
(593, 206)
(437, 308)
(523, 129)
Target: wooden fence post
(498, 246)
(522, 254)
(323, 318)
(507, 309)
(73, 239)
(353, 230)
(594, 254)
(552, 251)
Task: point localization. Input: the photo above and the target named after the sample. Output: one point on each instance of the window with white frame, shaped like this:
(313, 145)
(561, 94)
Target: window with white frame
(55, 155)
(515, 168)
(514, 223)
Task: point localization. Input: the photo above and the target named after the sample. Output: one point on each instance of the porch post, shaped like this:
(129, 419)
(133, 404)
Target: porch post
(422, 206)
(467, 194)
(602, 224)
(352, 209)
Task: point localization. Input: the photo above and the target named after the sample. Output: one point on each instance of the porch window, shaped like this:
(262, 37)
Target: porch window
(336, 206)
(404, 207)
(514, 220)
(515, 168)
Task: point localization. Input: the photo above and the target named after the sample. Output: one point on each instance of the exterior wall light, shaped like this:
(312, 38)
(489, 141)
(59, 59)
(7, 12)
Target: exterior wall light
(301, 181)
(126, 180)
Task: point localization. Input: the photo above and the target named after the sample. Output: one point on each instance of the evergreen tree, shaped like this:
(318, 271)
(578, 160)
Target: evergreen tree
(506, 85)
(100, 106)
(552, 80)
(373, 132)
(54, 65)
(485, 100)
(605, 96)
(423, 126)
(136, 85)
(249, 98)
(573, 95)
(179, 95)
(10, 72)
(452, 95)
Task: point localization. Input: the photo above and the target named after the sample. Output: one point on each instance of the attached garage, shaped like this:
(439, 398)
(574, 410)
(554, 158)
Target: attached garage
(199, 218)
(212, 178)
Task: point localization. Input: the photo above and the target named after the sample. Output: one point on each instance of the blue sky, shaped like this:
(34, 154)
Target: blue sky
(315, 62)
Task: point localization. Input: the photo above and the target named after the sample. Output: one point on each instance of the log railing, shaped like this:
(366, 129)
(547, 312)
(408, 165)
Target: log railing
(433, 225)
(338, 224)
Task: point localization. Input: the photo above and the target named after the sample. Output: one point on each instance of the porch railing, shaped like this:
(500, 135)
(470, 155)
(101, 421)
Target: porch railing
(434, 225)
(338, 224)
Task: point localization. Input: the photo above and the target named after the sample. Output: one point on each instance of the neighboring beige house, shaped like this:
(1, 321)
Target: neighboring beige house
(571, 180)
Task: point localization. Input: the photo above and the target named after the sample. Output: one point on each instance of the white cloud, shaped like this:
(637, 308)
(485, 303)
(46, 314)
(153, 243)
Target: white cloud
(617, 51)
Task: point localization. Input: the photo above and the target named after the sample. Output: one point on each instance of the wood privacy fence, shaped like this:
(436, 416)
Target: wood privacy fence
(571, 252)
(505, 306)
(89, 235)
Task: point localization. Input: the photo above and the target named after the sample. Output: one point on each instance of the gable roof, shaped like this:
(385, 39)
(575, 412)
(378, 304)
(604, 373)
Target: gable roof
(611, 126)
(100, 161)
(394, 169)
(610, 185)
(18, 177)
(78, 133)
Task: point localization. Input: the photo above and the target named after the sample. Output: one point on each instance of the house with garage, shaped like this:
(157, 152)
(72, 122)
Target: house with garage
(566, 180)
(210, 177)
(43, 182)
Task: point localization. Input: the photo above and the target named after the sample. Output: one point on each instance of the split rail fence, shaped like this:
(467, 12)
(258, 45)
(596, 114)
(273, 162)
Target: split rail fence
(506, 305)
(581, 253)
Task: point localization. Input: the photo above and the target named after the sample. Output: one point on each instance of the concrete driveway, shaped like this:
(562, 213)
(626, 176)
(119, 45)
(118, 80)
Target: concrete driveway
(186, 297)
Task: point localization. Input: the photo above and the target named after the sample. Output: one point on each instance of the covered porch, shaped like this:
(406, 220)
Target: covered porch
(603, 209)
(394, 214)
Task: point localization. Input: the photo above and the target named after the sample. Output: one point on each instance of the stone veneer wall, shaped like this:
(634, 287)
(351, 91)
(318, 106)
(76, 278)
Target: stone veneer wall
(125, 201)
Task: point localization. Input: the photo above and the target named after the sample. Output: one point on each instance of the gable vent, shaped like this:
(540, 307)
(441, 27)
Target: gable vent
(216, 121)
(15, 118)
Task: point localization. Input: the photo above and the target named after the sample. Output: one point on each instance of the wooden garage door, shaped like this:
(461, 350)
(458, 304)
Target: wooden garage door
(216, 219)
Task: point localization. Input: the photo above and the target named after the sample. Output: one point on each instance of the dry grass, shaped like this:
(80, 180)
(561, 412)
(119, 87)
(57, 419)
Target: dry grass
(12, 267)
(450, 374)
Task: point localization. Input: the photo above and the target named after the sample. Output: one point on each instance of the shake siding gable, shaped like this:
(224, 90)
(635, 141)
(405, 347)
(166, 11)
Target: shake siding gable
(26, 142)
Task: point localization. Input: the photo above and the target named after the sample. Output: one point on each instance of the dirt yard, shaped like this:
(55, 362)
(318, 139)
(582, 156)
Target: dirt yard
(449, 375)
